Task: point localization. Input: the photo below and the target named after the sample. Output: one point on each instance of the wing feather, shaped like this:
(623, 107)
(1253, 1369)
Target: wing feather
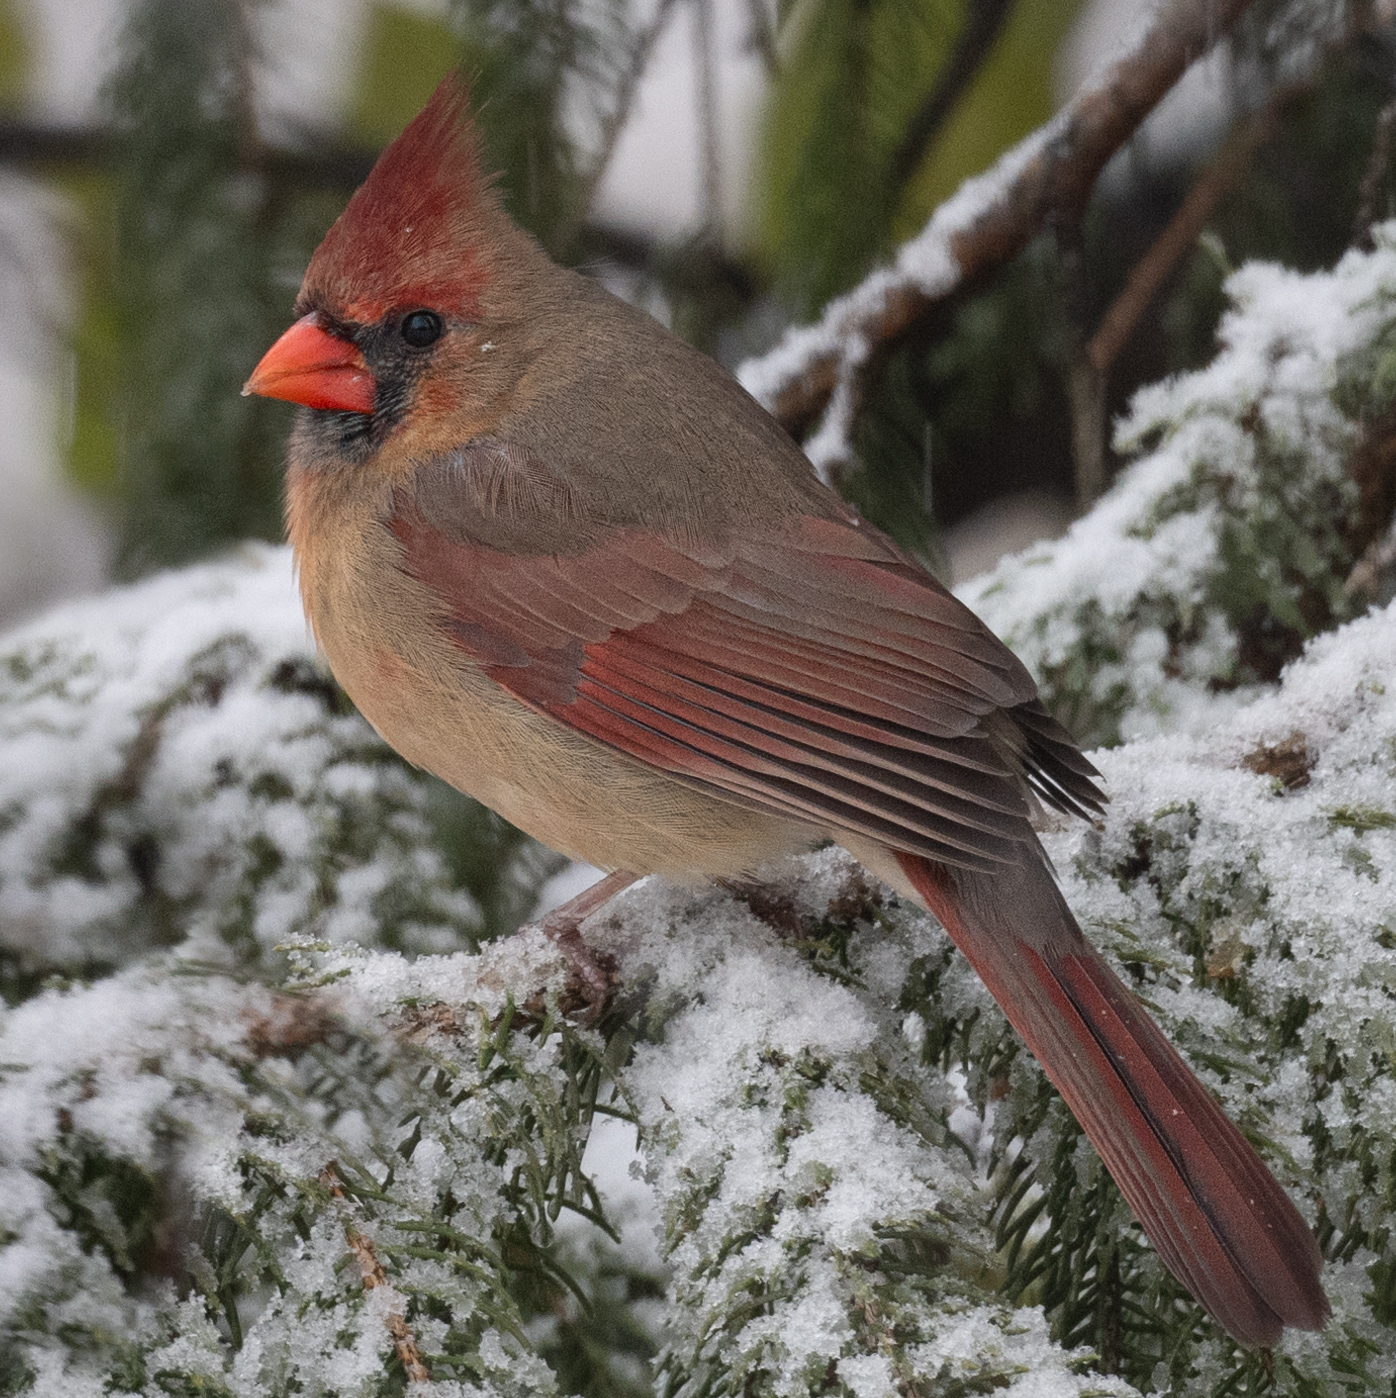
(810, 670)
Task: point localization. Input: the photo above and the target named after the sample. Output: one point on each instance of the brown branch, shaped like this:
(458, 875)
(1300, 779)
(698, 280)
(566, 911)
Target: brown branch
(1181, 233)
(1057, 170)
(319, 165)
(1085, 386)
(981, 28)
(372, 1275)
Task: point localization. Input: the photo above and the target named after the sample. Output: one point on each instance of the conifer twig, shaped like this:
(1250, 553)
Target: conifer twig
(372, 1275)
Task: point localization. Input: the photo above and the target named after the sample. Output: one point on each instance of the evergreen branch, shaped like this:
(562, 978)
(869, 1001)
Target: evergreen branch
(372, 1274)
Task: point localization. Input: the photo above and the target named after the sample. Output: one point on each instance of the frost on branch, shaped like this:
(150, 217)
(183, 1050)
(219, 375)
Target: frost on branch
(1229, 539)
(346, 1183)
(827, 1229)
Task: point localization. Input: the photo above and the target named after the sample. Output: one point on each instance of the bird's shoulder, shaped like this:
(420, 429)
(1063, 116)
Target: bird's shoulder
(642, 424)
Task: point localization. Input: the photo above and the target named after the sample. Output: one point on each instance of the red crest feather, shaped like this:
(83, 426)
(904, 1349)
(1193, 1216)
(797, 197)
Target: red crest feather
(413, 232)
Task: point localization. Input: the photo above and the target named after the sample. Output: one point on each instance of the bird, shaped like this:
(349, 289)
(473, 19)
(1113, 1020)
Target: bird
(562, 560)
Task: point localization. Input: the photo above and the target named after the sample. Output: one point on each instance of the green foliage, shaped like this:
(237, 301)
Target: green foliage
(832, 201)
(190, 305)
(108, 1203)
(1298, 200)
(825, 208)
(404, 55)
(1011, 94)
(15, 56)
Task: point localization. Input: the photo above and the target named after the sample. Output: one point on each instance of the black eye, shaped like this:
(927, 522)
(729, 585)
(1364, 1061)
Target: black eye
(421, 328)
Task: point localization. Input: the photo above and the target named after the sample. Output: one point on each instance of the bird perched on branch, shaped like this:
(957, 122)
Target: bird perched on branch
(562, 560)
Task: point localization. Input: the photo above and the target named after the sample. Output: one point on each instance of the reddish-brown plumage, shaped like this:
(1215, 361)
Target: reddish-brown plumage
(1214, 1212)
(566, 563)
(411, 235)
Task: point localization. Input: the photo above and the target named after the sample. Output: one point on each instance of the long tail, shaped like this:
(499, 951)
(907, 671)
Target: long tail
(1213, 1211)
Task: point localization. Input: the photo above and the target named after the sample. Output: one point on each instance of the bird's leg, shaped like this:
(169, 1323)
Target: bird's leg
(594, 970)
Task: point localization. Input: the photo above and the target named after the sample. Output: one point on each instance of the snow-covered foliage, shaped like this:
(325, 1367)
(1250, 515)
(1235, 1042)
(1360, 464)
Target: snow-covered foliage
(280, 1113)
(825, 1197)
(827, 1230)
(1228, 540)
(347, 1179)
(178, 769)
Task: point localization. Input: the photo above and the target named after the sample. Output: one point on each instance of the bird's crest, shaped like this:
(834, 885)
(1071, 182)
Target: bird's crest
(415, 232)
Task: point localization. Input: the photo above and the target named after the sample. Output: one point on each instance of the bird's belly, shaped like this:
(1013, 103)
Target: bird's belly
(435, 706)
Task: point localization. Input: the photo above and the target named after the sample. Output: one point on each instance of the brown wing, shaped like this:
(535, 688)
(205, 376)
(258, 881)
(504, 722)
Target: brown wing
(810, 669)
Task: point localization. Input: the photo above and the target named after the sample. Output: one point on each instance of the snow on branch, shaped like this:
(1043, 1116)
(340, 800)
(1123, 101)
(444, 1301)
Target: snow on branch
(1231, 537)
(1045, 178)
(180, 769)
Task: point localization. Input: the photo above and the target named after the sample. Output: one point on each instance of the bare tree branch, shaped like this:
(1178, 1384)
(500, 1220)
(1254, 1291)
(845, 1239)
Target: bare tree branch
(319, 163)
(1181, 233)
(989, 221)
(316, 165)
(1085, 385)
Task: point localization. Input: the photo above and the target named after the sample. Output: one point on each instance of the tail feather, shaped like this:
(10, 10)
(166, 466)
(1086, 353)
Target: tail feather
(1215, 1214)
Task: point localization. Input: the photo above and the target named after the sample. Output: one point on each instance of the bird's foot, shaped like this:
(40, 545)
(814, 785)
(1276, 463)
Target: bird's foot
(594, 976)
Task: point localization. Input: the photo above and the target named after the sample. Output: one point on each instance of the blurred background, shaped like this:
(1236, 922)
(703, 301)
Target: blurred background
(167, 166)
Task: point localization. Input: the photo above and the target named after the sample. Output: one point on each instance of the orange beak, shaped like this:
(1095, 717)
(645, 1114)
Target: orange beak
(309, 365)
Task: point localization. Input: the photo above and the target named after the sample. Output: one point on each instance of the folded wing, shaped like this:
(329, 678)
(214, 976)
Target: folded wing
(810, 669)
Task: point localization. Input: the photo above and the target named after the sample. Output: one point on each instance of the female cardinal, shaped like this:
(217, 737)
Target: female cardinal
(563, 561)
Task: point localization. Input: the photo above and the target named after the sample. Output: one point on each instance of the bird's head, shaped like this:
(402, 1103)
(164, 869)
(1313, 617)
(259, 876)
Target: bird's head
(405, 316)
